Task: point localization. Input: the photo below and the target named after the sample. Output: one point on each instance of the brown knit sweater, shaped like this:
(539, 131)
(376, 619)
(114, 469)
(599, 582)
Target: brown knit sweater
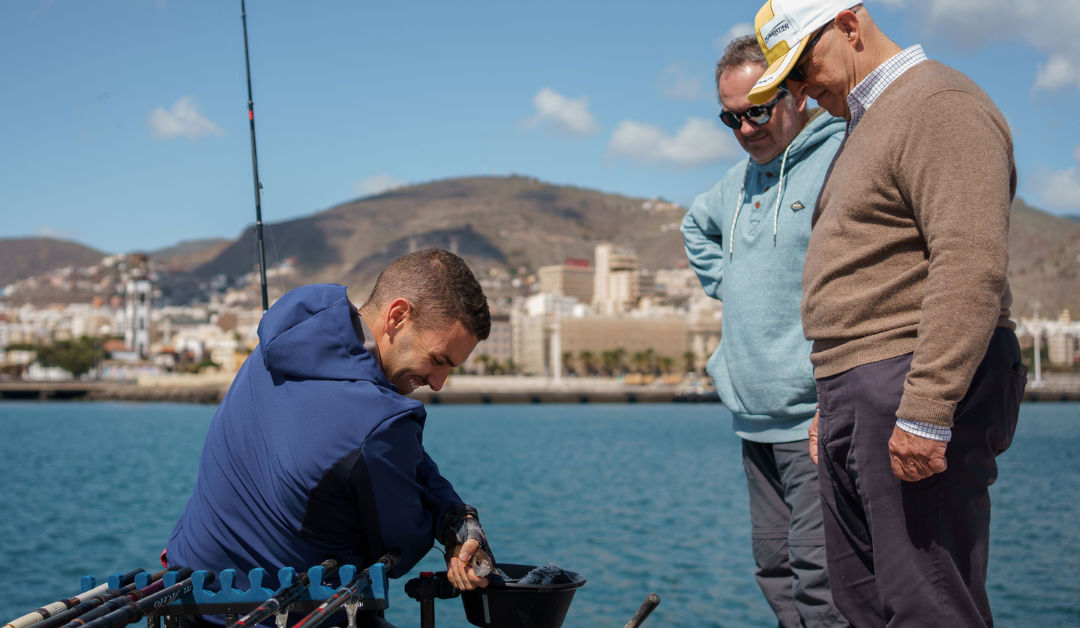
(909, 248)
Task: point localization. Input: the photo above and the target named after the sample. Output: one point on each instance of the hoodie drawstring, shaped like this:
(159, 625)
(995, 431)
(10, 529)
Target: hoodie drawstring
(779, 194)
(742, 195)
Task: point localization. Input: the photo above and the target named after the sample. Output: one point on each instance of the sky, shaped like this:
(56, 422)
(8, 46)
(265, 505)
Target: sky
(123, 123)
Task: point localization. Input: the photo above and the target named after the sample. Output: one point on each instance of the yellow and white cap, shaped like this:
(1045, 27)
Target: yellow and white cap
(783, 28)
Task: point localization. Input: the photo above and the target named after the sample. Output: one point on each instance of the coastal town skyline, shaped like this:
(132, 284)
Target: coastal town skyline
(132, 130)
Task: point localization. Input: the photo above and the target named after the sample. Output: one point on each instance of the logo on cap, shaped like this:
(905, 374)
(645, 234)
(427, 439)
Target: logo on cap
(781, 28)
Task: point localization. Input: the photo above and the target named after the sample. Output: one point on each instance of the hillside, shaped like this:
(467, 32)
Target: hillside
(499, 223)
(1044, 260)
(28, 257)
(188, 255)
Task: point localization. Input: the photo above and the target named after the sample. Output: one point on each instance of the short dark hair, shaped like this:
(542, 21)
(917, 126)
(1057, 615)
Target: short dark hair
(440, 288)
(741, 51)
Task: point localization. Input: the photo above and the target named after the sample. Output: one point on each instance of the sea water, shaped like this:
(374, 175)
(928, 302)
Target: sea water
(637, 498)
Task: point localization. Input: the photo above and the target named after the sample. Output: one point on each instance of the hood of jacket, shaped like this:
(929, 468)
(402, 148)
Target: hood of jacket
(820, 127)
(308, 334)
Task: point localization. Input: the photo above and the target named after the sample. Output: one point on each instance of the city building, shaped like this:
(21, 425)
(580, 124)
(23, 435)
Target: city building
(573, 278)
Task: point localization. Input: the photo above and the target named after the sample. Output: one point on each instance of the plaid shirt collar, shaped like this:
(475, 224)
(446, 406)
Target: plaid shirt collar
(867, 91)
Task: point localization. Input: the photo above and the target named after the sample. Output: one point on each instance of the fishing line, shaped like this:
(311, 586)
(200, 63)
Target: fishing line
(276, 260)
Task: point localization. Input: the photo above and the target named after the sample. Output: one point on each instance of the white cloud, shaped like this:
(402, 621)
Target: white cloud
(697, 143)
(1058, 72)
(736, 31)
(1049, 26)
(1060, 189)
(674, 82)
(377, 185)
(566, 116)
(55, 234)
(183, 119)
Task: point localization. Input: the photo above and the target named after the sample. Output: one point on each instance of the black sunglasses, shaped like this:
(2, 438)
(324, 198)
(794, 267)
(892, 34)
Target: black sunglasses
(797, 73)
(758, 114)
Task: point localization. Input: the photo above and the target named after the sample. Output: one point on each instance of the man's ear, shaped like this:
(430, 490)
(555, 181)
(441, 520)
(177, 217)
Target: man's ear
(848, 27)
(398, 317)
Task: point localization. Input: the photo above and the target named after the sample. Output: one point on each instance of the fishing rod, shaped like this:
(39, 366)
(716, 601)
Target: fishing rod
(133, 611)
(84, 607)
(255, 165)
(120, 602)
(47, 611)
(284, 598)
(343, 594)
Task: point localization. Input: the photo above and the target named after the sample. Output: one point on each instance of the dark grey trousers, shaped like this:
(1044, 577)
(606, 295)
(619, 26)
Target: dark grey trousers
(912, 553)
(786, 534)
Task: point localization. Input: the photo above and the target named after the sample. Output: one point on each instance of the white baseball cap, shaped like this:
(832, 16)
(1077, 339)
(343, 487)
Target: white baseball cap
(783, 29)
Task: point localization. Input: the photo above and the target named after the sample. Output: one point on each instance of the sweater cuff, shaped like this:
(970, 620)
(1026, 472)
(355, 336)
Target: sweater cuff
(915, 408)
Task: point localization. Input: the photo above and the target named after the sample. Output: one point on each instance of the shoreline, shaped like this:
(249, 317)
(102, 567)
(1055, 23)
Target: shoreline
(459, 390)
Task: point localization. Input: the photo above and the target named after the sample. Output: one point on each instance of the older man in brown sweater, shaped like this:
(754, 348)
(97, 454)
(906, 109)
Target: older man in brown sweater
(906, 300)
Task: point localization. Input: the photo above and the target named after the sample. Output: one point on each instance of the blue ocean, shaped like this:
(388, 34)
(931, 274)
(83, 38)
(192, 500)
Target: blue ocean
(637, 498)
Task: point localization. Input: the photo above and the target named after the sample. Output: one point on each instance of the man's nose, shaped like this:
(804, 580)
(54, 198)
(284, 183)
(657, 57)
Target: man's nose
(747, 127)
(437, 379)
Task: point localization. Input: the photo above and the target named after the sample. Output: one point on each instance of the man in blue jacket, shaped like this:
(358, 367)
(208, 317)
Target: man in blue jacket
(746, 239)
(315, 453)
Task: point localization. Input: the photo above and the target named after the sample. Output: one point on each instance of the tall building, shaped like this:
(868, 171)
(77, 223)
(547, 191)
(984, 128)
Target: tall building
(617, 280)
(498, 346)
(573, 278)
(137, 317)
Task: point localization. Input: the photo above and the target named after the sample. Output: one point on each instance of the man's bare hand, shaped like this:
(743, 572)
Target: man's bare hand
(813, 438)
(458, 571)
(914, 457)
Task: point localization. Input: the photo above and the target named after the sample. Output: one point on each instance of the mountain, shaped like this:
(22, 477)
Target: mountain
(1044, 262)
(28, 257)
(499, 224)
(190, 254)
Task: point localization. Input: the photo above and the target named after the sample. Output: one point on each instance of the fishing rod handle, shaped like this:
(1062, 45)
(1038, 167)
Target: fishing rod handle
(60, 606)
(344, 593)
(647, 607)
(135, 605)
(134, 611)
(284, 598)
(84, 607)
(123, 600)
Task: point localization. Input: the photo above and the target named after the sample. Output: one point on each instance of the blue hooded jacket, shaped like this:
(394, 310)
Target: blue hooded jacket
(313, 453)
(762, 366)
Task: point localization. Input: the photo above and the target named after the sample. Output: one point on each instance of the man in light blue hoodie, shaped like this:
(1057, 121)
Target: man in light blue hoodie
(746, 239)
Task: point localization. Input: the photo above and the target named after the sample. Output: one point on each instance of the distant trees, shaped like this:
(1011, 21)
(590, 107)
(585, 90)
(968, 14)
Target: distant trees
(77, 357)
(690, 361)
(612, 361)
(568, 363)
(588, 362)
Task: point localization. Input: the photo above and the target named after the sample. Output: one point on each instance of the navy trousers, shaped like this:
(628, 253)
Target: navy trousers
(912, 553)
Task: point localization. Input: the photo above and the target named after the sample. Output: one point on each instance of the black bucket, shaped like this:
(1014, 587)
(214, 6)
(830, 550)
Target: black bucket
(513, 605)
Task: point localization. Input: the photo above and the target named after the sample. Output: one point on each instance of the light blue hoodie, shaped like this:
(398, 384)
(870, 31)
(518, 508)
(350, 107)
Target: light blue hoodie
(762, 367)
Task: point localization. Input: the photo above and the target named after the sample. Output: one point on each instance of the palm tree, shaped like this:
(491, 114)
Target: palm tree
(485, 363)
(639, 362)
(588, 361)
(620, 358)
(610, 360)
(690, 360)
(666, 363)
(568, 363)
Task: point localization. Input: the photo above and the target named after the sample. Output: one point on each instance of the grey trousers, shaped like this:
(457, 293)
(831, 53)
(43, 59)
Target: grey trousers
(786, 534)
(913, 553)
